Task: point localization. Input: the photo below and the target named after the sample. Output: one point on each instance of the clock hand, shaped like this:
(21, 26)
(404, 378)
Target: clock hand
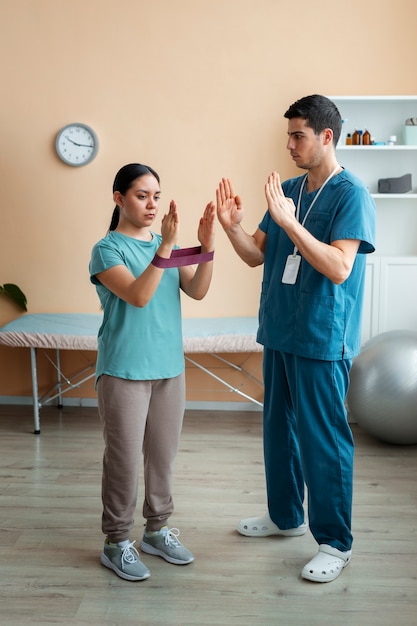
(80, 145)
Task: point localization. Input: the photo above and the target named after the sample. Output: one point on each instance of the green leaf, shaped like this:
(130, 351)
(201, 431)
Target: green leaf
(15, 294)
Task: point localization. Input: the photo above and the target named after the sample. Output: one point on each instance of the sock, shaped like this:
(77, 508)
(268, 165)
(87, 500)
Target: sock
(119, 544)
(155, 532)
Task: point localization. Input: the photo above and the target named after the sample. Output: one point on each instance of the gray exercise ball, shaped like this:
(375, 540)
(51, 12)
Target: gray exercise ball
(382, 396)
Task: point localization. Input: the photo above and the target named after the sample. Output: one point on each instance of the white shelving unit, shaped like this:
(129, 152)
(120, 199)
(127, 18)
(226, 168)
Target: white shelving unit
(391, 287)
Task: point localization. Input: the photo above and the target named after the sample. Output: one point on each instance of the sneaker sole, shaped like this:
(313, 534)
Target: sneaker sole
(107, 563)
(155, 552)
(291, 532)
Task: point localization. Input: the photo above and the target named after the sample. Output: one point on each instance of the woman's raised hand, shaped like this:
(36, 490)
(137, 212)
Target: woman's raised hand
(206, 227)
(170, 225)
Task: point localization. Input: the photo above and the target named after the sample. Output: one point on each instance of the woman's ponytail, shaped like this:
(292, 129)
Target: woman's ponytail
(115, 218)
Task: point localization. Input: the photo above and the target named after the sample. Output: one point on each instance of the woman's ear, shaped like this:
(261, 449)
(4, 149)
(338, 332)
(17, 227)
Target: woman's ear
(117, 197)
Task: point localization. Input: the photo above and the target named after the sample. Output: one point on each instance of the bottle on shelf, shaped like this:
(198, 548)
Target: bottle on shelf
(348, 139)
(342, 138)
(366, 138)
(357, 137)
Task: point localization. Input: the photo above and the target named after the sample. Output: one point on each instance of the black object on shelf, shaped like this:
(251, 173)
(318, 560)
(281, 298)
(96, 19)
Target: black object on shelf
(402, 184)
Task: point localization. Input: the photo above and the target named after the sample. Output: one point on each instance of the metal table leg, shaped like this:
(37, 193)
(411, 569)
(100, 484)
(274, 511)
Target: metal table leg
(36, 417)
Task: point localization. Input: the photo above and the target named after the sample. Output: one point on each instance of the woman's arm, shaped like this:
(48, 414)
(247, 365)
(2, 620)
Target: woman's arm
(196, 282)
(138, 291)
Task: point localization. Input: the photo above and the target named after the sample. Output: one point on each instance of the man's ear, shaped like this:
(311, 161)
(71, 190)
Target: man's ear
(327, 136)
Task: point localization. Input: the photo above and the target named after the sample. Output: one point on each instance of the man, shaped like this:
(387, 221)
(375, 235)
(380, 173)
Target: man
(312, 241)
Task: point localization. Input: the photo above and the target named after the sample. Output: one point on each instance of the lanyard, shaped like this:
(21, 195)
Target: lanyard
(297, 213)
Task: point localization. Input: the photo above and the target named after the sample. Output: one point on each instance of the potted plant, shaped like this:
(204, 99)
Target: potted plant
(14, 293)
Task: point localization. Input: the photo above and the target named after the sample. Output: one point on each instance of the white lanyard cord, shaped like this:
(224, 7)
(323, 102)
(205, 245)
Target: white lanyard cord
(297, 213)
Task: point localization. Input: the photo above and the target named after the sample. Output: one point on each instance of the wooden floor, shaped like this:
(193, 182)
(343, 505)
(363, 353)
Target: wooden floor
(51, 540)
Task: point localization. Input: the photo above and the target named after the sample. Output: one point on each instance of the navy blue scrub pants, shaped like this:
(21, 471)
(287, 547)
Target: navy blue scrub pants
(308, 441)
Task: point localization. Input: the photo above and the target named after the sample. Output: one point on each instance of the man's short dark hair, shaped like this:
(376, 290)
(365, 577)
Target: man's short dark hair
(319, 112)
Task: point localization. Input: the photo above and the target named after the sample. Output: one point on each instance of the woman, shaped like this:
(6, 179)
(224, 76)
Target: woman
(140, 365)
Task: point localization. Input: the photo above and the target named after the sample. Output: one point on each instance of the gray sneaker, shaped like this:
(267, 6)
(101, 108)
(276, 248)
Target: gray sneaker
(124, 560)
(166, 544)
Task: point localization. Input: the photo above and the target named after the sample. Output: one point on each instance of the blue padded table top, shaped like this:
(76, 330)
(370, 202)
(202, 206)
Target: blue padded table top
(78, 331)
(66, 331)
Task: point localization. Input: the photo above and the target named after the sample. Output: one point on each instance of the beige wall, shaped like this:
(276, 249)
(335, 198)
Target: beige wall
(195, 88)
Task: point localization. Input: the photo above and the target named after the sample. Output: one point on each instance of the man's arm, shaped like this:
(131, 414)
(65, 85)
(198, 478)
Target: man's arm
(250, 248)
(334, 260)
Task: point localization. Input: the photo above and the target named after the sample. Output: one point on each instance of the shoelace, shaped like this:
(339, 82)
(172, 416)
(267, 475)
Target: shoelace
(129, 554)
(171, 538)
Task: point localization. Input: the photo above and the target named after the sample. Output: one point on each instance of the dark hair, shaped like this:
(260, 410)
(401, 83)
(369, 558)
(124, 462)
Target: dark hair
(124, 180)
(319, 113)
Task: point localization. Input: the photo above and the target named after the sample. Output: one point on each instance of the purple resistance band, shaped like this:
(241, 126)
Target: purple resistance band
(183, 256)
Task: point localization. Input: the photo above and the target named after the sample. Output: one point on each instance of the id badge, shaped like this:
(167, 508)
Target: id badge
(289, 276)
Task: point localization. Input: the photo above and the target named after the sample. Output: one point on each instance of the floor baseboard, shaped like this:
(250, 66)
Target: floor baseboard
(92, 402)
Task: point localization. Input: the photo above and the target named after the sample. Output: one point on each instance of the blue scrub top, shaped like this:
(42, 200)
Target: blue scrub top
(315, 318)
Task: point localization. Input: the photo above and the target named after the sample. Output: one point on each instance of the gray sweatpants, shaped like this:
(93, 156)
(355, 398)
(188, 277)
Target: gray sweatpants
(138, 416)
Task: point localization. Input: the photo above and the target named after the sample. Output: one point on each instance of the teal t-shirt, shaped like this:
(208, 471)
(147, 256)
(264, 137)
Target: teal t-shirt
(315, 318)
(137, 343)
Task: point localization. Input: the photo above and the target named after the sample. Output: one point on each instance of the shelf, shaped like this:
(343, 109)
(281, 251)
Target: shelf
(389, 302)
(371, 98)
(395, 196)
(369, 148)
(384, 116)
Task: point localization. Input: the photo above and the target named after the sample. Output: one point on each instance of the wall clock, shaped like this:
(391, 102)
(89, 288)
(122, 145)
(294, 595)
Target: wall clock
(76, 144)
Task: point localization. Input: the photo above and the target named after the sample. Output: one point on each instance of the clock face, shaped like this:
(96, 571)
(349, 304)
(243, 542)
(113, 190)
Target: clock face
(76, 144)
